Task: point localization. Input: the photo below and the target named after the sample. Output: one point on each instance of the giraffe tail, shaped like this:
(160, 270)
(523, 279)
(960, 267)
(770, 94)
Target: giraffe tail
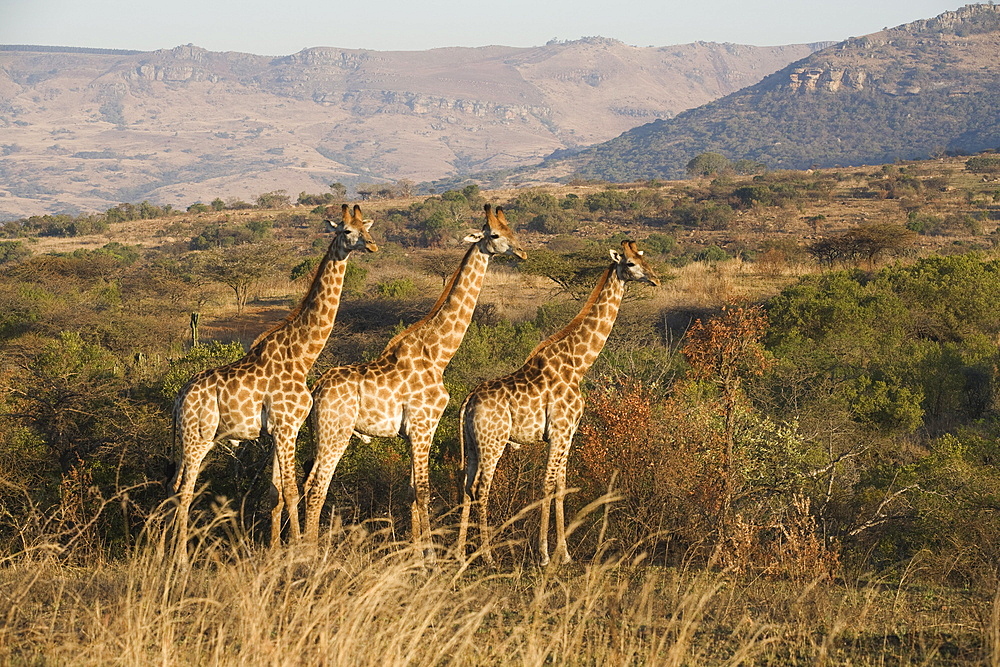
(175, 452)
(469, 446)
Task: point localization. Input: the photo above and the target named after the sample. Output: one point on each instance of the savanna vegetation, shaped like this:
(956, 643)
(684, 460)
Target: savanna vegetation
(789, 455)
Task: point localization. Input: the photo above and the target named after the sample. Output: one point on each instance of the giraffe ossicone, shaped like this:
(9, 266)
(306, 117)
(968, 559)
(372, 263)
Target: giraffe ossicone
(265, 392)
(541, 401)
(402, 391)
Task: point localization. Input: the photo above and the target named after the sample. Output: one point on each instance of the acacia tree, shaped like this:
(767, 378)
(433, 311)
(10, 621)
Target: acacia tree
(725, 350)
(574, 273)
(274, 199)
(867, 242)
(441, 263)
(241, 267)
(708, 164)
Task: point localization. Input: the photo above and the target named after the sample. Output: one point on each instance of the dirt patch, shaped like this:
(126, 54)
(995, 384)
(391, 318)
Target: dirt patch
(244, 327)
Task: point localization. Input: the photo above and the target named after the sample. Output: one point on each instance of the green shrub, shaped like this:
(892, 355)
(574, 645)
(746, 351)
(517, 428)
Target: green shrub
(396, 289)
(554, 222)
(983, 164)
(705, 215)
(659, 243)
(197, 359)
(712, 253)
(13, 251)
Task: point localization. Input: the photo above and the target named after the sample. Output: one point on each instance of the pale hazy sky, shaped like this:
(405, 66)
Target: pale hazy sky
(281, 27)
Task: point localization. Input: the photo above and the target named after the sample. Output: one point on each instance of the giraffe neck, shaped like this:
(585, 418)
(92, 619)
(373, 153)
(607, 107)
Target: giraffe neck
(306, 329)
(584, 337)
(444, 327)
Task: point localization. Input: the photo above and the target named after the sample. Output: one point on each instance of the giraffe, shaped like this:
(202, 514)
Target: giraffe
(541, 401)
(265, 391)
(402, 391)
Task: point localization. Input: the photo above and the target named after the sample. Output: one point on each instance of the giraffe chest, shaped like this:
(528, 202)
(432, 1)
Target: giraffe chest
(535, 414)
(246, 412)
(528, 417)
(242, 413)
(380, 404)
(388, 402)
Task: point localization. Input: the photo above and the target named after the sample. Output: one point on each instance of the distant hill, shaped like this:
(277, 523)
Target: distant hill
(903, 93)
(84, 129)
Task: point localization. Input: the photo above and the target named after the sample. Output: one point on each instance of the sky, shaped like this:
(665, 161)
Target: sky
(282, 27)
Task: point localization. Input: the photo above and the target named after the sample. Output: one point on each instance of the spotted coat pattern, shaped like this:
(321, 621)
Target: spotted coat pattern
(541, 401)
(265, 391)
(402, 391)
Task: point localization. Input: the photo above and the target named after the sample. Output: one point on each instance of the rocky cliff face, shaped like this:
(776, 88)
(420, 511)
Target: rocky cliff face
(811, 79)
(924, 55)
(968, 20)
(84, 130)
(901, 93)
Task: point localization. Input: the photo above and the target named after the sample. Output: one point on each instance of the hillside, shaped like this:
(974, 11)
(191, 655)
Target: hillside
(84, 129)
(908, 92)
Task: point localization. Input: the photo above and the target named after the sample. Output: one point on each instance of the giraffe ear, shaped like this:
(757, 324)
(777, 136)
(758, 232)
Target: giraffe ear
(616, 256)
(475, 237)
(368, 222)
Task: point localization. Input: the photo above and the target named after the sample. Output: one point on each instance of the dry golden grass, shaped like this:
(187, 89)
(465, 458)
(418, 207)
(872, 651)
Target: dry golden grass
(707, 285)
(363, 599)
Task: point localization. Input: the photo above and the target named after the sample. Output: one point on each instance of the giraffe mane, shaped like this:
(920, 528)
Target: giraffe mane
(575, 322)
(295, 312)
(449, 288)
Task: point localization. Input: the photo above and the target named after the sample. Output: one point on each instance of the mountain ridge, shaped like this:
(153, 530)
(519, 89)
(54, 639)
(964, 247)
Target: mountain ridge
(83, 129)
(918, 89)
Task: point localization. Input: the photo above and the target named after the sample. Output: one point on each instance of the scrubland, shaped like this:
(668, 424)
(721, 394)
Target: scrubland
(789, 453)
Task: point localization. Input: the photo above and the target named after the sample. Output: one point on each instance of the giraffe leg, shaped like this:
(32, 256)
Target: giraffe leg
(562, 427)
(279, 500)
(543, 530)
(469, 468)
(181, 517)
(319, 483)
(555, 490)
(420, 529)
(335, 412)
(463, 523)
(420, 430)
(477, 494)
(463, 526)
(561, 553)
(184, 484)
(485, 430)
(288, 491)
(331, 444)
(485, 481)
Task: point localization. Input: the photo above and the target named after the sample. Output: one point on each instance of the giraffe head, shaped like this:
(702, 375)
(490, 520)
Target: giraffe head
(496, 238)
(352, 232)
(631, 265)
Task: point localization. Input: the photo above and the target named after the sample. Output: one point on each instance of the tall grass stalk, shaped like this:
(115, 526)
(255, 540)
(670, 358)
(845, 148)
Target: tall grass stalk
(362, 598)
